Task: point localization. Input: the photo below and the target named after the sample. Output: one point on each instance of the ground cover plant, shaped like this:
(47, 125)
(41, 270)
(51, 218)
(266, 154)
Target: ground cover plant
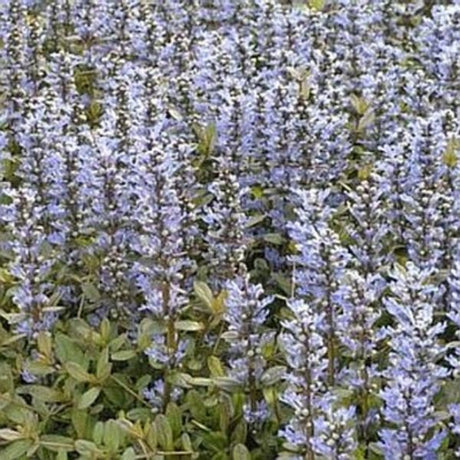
(229, 229)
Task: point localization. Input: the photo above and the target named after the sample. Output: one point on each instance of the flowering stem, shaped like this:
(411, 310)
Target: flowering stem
(170, 342)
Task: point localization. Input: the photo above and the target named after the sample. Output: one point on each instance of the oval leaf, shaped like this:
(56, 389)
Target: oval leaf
(240, 452)
(88, 398)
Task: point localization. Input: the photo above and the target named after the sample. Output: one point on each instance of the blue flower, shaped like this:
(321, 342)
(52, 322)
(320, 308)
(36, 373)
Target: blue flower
(413, 376)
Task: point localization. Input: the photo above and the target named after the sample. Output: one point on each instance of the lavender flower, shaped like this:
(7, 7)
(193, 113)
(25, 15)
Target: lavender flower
(245, 315)
(413, 375)
(320, 267)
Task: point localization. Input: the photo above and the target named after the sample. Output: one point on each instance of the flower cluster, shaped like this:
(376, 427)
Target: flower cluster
(263, 195)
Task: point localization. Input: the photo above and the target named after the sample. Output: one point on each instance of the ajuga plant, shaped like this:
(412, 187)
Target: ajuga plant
(249, 339)
(319, 426)
(415, 370)
(319, 269)
(229, 230)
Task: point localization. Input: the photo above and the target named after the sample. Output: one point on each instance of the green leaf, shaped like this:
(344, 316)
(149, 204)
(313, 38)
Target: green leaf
(195, 405)
(227, 383)
(204, 293)
(273, 375)
(317, 5)
(129, 454)
(16, 449)
(117, 342)
(240, 452)
(274, 238)
(180, 379)
(226, 412)
(450, 392)
(215, 367)
(67, 350)
(164, 433)
(86, 447)
(88, 398)
(91, 292)
(116, 395)
(174, 415)
(98, 432)
(42, 393)
(360, 453)
(254, 220)
(78, 373)
(257, 192)
(81, 423)
(240, 432)
(105, 329)
(449, 157)
(38, 368)
(143, 382)
(14, 412)
(123, 355)
(62, 455)
(150, 435)
(186, 442)
(44, 344)
(10, 435)
(366, 120)
(201, 381)
(188, 326)
(57, 443)
(103, 368)
(284, 283)
(112, 435)
(175, 114)
(139, 413)
(270, 395)
(359, 104)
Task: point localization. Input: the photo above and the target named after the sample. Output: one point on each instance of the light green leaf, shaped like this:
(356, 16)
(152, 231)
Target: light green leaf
(62, 455)
(44, 343)
(112, 435)
(123, 355)
(67, 350)
(189, 326)
(84, 447)
(16, 449)
(57, 443)
(88, 398)
(201, 381)
(240, 452)
(42, 393)
(174, 415)
(215, 367)
(98, 432)
(273, 375)
(274, 238)
(164, 433)
(450, 157)
(204, 293)
(78, 373)
(103, 366)
(129, 454)
(10, 435)
(227, 383)
(254, 220)
(366, 120)
(317, 5)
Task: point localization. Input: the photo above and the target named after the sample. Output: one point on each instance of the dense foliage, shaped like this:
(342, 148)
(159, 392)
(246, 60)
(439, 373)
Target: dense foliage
(229, 229)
